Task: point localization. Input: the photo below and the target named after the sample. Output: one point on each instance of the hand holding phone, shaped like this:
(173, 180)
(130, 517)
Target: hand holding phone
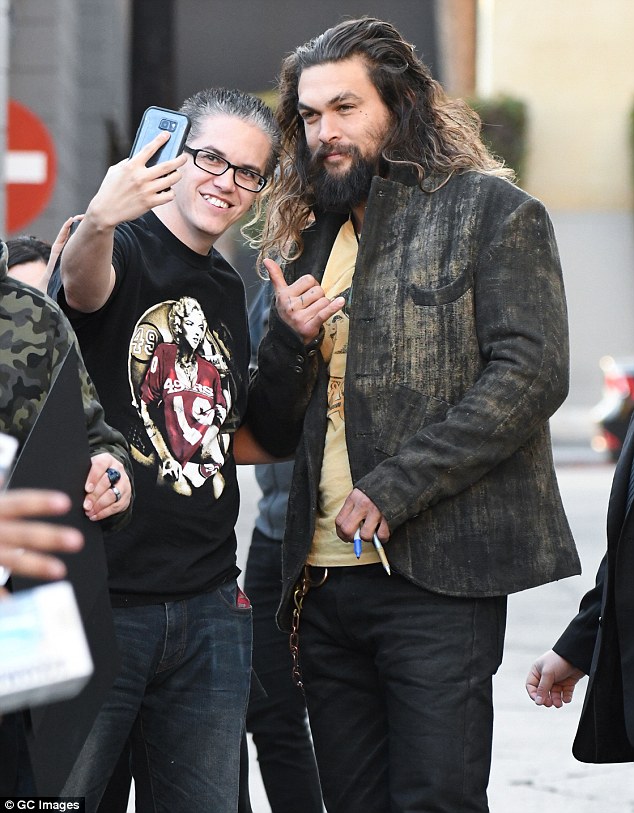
(159, 120)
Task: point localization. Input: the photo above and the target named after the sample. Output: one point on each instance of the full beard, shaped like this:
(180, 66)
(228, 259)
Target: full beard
(342, 191)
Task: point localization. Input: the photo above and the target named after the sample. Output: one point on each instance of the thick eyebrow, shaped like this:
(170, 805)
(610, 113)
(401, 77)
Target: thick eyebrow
(344, 96)
(221, 154)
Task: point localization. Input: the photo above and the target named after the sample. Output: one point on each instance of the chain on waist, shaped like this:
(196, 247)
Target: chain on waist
(301, 589)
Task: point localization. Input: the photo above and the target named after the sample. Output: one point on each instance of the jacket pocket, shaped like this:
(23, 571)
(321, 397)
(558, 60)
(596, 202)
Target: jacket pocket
(443, 295)
(408, 414)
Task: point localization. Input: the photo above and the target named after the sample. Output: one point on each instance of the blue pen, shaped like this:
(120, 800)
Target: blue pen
(357, 543)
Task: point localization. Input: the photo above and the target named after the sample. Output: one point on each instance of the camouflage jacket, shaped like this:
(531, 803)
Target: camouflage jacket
(35, 337)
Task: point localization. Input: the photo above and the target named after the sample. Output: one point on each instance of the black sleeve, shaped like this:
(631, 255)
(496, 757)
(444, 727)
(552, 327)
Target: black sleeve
(280, 387)
(578, 640)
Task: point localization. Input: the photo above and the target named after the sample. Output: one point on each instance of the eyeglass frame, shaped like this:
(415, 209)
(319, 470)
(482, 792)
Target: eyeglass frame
(194, 154)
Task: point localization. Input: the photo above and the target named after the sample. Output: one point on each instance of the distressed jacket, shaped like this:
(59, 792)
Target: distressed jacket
(457, 357)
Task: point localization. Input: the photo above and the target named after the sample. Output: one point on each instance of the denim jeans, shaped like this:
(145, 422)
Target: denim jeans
(278, 720)
(399, 692)
(185, 673)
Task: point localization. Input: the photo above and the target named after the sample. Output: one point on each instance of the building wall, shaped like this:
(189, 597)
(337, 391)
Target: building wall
(68, 63)
(572, 62)
(242, 43)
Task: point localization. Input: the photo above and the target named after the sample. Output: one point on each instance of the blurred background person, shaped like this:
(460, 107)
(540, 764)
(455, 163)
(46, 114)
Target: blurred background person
(276, 717)
(32, 260)
(28, 258)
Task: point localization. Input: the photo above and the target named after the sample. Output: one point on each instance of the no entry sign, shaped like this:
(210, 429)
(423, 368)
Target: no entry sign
(30, 168)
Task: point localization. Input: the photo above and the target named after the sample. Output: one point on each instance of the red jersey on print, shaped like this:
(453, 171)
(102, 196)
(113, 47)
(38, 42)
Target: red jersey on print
(189, 410)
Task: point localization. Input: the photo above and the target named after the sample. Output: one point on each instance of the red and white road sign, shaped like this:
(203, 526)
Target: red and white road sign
(30, 167)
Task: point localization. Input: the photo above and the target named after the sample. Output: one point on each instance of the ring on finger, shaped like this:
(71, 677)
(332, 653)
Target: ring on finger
(116, 492)
(113, 476)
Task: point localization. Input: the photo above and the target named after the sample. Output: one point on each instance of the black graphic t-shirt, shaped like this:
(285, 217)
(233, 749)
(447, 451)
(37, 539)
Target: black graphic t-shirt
(169, 354)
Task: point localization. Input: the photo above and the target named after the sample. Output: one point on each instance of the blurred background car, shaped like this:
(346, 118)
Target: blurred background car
(613, 412)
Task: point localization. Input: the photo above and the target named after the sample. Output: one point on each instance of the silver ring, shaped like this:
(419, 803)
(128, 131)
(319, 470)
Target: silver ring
(301, 299)
(116, 492)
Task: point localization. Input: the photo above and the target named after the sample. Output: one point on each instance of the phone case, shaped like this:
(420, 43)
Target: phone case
(156, 119)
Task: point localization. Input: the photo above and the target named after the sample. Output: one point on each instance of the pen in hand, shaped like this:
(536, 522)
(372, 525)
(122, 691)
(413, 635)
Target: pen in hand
(357, 543)
(382, 556)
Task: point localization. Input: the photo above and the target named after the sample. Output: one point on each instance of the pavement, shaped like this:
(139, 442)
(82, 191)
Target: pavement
(533, 768)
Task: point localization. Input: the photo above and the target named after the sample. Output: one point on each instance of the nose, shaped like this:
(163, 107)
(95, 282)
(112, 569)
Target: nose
(225, 181)
(328, 129)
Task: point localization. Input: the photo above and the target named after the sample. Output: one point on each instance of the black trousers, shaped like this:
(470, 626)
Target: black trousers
(277, 720)
(399, 691)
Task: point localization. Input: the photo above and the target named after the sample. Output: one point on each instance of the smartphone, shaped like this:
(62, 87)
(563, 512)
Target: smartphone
(154, 120)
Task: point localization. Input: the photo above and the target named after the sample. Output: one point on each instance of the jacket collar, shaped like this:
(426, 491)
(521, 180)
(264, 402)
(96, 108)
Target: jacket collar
(407, 176)
(403, 174)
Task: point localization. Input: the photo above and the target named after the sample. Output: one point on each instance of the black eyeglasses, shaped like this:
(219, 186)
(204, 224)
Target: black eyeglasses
(215, 165)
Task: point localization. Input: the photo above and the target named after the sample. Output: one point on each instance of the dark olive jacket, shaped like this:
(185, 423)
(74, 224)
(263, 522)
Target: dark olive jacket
(600, 639)
(457, 357)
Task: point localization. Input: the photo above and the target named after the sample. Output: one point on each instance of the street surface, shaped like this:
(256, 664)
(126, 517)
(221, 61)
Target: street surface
(533, 767)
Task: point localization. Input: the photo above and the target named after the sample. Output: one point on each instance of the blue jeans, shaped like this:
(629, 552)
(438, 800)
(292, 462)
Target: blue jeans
(185, 673)
(399, 691)
(278, 720)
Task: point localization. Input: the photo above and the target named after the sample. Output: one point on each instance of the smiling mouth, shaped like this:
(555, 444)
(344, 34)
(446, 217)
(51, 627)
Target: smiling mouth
(221, 204)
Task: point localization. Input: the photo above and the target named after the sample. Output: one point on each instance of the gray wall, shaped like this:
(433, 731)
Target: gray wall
(68, 63)
(597, 256)
(240, 43)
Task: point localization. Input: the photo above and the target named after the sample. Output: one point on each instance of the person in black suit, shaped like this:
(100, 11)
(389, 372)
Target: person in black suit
(599, 641)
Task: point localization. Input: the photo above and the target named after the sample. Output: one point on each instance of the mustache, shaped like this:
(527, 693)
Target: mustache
(325, 150)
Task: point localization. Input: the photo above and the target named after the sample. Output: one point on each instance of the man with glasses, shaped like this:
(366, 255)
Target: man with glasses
(161, 318)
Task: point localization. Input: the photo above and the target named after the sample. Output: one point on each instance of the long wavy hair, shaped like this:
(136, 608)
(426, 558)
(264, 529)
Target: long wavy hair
(431, 132)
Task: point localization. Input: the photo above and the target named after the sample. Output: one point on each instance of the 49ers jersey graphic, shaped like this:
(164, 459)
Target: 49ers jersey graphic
(180, 383)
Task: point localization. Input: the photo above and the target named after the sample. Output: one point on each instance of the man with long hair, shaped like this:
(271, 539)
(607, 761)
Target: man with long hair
(426, 439)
